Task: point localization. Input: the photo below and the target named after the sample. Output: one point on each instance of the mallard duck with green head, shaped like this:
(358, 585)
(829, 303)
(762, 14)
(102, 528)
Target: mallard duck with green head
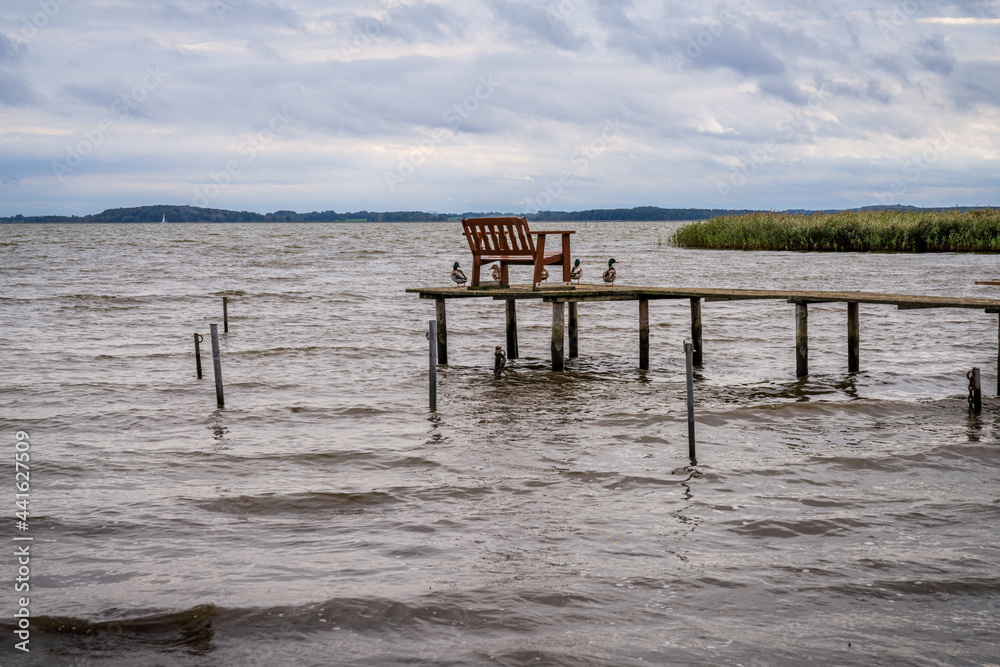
(611, 274)
(458, 275)
(576, 272)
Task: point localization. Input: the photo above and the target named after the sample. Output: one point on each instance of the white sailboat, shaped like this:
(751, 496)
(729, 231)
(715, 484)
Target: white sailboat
(164, 218)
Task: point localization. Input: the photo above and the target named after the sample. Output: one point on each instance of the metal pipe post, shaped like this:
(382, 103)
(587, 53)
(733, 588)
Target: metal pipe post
(217, 363)
(225, 314)
(197, 353)
(689, 354)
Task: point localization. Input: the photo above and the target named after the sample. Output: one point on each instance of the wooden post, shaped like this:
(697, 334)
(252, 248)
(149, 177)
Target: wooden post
(197, 353)
(853, 338)
(998, 358)
(688, 355)
(432, 357)
(217, 364)
(573, 329)
(442, 332)
(558, 334)
(696, 329)
(975, 391)
(801, 340)
(644, 334)
(511, 329)
(225, 314)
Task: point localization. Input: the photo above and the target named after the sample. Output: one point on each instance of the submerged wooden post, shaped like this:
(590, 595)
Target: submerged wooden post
(217, 364)
(688, 356)
(558, 334)
(975, 391)
(432, 357)
(644, 334)
(573, 329)
(225, 314)
(511, 329)
(853, 338)
(696, 329)
(442, 332)
(801, 340)
(197, 353)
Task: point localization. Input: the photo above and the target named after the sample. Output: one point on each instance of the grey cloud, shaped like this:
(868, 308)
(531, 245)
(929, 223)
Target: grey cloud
(15, 91)
(975, 82)
(933, 54)
(529, 22)
(259, 48)
(10, 52)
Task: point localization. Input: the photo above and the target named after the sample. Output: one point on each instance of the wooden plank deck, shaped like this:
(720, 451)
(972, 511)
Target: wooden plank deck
(560, 295)
(604, 293)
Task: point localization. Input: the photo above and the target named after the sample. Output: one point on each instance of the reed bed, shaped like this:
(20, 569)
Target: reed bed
(976, 230)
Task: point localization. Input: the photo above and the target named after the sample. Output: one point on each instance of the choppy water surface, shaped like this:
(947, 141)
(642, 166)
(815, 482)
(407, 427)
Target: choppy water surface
(324, 516)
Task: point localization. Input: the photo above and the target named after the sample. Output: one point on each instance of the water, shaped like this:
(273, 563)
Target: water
(324, 516)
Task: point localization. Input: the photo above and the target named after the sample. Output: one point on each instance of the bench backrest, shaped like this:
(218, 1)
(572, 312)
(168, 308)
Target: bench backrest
(499, 236)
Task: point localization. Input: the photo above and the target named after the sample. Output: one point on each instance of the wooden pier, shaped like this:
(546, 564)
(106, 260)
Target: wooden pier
(560, 296)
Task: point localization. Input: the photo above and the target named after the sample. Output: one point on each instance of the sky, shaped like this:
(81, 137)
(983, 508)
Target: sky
(497, 105)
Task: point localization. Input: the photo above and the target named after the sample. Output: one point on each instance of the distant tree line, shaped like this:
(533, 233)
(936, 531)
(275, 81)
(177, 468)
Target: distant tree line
(197, 214)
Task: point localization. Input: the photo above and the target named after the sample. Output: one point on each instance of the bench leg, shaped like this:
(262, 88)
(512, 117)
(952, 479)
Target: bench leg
(505, 279)
(476, 267)
(539, 258)
(565, 258)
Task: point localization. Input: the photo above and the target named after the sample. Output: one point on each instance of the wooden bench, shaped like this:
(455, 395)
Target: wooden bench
(509, 241)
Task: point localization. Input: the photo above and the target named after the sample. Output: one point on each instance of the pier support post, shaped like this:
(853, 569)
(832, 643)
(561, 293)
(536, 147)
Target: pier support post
(432, 358)
(558, 334)
(689, 359)
(217, 365)
(998, 358)
(442, 332)
(696, 329)
(573, 329)
(511, 329)
(801, 340)
(644, 334)
(225, 314)
(853, 338)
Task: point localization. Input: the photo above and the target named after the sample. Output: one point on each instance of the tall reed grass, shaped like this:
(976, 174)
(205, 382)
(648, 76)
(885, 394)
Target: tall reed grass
(976, 230)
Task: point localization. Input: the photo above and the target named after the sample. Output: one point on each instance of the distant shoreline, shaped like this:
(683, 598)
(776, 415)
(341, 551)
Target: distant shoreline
(176, 214)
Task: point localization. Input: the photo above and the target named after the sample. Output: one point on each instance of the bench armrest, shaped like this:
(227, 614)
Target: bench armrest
(548, 231)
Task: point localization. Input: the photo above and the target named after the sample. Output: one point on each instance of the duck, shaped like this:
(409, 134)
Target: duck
(458, 275)
(545, 275)
(610, 275)
(499, 362)
(495, 271)
(576, 271)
